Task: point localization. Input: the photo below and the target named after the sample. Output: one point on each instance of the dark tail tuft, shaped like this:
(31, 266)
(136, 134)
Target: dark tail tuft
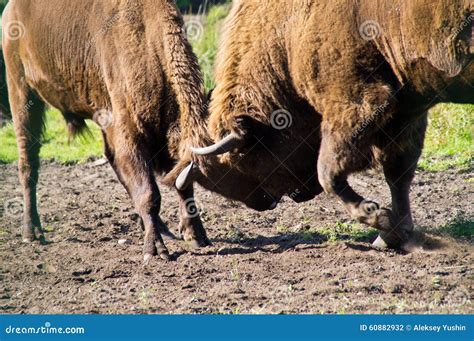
(76, 126)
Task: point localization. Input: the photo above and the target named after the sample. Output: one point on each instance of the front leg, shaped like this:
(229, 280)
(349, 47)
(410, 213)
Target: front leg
(190, 227)
(399, 160)
(138, 179)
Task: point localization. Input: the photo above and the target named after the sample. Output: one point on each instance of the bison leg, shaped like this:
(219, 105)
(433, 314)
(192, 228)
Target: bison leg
(138, 179)
(399, 159)
(190, 226)
(28, 115)
(336, 161)
(162, 227)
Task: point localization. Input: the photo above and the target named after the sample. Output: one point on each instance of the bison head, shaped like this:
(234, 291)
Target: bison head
(258, 162)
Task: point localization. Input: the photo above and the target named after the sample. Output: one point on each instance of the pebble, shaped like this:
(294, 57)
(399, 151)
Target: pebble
(124, 242)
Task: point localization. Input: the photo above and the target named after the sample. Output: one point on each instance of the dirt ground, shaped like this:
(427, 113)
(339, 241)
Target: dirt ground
(259, 263)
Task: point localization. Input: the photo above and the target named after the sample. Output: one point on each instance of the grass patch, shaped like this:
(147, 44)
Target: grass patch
(341, 231)
(449, 138)
(461, 227)
(56, 145)
(205, 45)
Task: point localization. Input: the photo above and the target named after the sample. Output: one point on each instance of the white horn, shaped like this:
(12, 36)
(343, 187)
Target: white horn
(225, 145)
(186, 178)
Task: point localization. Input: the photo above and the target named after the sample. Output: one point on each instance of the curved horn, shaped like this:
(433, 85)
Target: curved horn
(186, 177)
(225, 145)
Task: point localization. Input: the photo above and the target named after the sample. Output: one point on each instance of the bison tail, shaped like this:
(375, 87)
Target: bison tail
(77, 126)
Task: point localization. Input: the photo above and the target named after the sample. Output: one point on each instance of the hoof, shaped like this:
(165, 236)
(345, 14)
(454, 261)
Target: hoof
(147, 258)
(165, 255)
(196, 243)
(28, 240)
(369, 207)
(28, 235)
(392, 240)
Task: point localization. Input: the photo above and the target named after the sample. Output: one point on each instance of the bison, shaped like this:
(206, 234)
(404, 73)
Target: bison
(309, 92)
(127, 65)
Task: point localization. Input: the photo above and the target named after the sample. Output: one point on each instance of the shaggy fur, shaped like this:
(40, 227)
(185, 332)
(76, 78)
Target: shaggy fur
(354, 102)
(124, 63)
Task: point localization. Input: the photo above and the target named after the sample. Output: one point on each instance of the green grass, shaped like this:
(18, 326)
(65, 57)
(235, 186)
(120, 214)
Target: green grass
(448, 145)
(460, 227)
(56, 145)
(449, 140)
(332, 232)
(206, 44)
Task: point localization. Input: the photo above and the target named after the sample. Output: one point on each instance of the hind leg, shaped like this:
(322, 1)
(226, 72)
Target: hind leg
(28, 118)
(399, 159)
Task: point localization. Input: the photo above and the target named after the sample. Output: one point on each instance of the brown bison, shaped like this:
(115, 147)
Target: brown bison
(127, 65)
(309, 92)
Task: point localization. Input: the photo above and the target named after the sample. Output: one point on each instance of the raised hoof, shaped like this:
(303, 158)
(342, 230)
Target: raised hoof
(369, 207)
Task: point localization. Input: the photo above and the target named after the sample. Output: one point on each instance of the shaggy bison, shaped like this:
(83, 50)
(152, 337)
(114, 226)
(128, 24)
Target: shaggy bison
(127, 65)
(309, 92)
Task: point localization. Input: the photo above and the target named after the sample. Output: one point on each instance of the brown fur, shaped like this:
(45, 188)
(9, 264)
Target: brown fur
(367, 98)
(126, 57)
